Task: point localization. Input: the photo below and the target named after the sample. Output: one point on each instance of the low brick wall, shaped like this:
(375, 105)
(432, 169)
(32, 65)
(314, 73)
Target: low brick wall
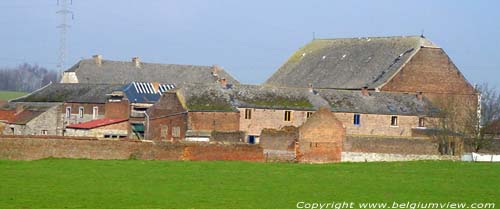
(20, 148)
(377, 157)
(388, 145)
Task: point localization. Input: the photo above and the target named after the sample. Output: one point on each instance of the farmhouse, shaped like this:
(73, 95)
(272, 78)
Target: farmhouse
(31, 119)
(403, 64)
(100, 71)
(251, 109)
(132, 100)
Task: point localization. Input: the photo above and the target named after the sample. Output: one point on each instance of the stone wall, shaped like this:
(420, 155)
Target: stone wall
(394, 145)
(26, 148)
(49, 121)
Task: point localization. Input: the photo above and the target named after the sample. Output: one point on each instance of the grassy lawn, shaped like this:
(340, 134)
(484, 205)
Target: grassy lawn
(6, 95)
(64, 183)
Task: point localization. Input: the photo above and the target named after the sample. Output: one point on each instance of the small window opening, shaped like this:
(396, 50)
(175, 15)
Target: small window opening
(394, 121)
(421, 122)
(288, 115)
(248, 113)
(356, 119)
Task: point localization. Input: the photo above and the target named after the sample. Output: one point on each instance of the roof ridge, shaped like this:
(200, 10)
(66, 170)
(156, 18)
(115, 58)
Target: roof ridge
(152, 63)
(366, 37)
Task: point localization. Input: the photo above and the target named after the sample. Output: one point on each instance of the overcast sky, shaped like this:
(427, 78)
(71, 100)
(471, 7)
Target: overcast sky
(250, 39)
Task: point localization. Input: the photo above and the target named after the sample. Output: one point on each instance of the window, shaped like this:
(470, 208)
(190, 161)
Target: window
(248, 113)
(164, 132)
(44, 132)
(394, 120)
(80, 112)
(68, 112)
(308, 114)
(356, 119)
(288, 115)
(95, 112)
(421, 122)
(176, 131)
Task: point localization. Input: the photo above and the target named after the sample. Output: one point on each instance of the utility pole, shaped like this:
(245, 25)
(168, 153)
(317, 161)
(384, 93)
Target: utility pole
(63, 13)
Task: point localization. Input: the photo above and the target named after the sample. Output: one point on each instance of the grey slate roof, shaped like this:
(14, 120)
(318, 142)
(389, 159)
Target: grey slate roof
(205, 97)
(62, 92)
(121, 72)
(383, 103)
(215, 98)
(347, 63)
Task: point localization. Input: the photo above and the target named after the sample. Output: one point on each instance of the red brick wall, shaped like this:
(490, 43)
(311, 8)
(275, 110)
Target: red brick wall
(156, 125)
(117, 109)
(430, 71)
(369, 144)
(218, 121)
(29, 148)
(320, 138)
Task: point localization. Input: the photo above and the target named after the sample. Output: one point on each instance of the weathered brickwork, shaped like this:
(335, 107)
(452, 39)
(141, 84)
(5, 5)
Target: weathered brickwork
(88, 113)
(320, 138)
(36, 148)
(409, 145)
(117, 109)
(269, 118)
(430, 71)
(214, 121)
(378, 125)
(161, 129)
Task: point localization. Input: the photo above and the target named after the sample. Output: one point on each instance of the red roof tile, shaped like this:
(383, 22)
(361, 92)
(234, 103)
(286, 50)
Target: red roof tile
(7, 115)
(96, 123)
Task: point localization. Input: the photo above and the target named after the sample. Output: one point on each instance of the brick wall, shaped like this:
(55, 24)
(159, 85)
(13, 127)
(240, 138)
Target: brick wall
(430, 70)
(283, 139)
(214, 121)
(117, 109)
(38, 148)
(160, 129)
(410, 145)
(269, 118)
(223, 136)
(320, 138)
(371, 124)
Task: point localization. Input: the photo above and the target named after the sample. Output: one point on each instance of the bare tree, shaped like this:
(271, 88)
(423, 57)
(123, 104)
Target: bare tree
(26, 77)
(463, 120)
(478, 122)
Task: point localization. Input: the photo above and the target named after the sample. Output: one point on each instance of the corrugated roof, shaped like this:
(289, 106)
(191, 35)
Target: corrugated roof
(145, 92)
(121, 72)
(347, 63)
(96, 123)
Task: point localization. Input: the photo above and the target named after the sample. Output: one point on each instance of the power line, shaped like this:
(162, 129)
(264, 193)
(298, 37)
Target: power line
(63, 13)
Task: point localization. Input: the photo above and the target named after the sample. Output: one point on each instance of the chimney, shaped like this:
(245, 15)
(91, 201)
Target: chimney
(223, 83)
(156, 87)
(310, 88)
(364, 91)
(420, 96)
(215, 70)
(97, 59)
(136, 61)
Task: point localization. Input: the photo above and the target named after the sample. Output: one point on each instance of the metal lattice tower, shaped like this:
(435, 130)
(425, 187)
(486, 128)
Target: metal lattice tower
(63, 13)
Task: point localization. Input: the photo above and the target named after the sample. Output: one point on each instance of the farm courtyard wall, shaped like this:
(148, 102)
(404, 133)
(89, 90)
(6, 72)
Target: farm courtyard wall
(26, 148)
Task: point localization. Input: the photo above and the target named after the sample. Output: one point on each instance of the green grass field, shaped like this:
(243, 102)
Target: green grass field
(6, 95)
(64, 183)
